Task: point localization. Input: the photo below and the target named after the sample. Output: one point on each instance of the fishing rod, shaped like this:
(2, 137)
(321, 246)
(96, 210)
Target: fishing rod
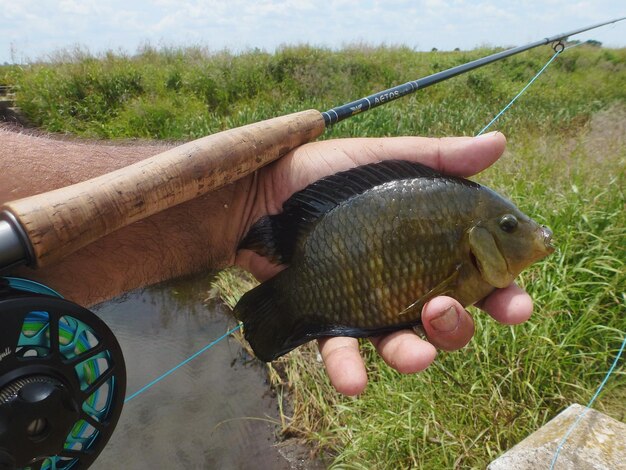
(62, 372)
(42, 229)
(335, 115)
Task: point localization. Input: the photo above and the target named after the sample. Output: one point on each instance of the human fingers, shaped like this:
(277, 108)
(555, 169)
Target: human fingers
(460, 156)
(447, 324)
(511, 305)
(344, 364)
(405, 351)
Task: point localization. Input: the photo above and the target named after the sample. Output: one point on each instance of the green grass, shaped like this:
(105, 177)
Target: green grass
(565, 166)
(470, 407)
(185, 93)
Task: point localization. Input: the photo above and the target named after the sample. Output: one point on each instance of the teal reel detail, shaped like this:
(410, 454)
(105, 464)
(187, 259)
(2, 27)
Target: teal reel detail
(62, 380)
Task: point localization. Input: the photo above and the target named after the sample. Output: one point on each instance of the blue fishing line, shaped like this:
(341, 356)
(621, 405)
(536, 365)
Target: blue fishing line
(621, 350)
(173, 369)
(228, 333)
(225, 335)
(527, 85)
(519, 94)
(576, 45)
(573, 426)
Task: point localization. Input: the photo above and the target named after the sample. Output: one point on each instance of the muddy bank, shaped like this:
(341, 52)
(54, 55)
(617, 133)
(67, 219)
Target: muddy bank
(9, 112)
(215, 412)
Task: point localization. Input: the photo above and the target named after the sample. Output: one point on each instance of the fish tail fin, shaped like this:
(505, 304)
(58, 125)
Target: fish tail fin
(269, 327)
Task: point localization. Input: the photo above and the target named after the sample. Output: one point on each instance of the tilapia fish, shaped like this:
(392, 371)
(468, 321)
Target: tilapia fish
(365, 249)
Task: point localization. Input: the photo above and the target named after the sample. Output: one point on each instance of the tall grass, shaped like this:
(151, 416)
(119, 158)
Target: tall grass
(565, 166)
(186, 93)
(469, 407)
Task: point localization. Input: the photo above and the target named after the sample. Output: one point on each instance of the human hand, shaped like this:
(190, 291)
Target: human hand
(203, 233)
(446, 323)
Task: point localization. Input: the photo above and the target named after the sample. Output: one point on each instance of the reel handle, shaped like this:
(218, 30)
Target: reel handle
(60, 222)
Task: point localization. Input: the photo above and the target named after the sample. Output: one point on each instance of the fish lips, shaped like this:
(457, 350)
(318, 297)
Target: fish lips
(546, 235)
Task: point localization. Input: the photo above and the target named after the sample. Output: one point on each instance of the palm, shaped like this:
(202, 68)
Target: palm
(403, 350)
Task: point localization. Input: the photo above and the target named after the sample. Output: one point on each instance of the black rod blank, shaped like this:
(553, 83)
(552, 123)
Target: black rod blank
(339, 113)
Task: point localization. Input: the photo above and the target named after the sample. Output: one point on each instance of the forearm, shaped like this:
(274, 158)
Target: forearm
(194, 236)
(31, 164)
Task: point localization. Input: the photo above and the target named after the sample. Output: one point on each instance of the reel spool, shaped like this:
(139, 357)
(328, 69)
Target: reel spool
(62, 380)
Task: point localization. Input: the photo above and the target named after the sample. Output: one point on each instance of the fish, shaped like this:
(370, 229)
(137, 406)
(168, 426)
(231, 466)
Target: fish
(365, 249)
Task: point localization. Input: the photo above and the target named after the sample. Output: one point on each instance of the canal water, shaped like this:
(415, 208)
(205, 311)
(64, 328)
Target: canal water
(214, 412)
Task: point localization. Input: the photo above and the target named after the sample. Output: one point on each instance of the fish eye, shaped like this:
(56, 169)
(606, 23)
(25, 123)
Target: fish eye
(508, 223)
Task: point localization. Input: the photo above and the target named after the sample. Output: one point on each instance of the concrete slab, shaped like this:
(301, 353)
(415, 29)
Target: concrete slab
(597, 443)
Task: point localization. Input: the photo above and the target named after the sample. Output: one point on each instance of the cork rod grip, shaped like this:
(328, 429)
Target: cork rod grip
(60, 222)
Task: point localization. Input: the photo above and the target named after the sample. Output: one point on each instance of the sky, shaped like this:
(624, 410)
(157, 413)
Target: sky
(37, 29)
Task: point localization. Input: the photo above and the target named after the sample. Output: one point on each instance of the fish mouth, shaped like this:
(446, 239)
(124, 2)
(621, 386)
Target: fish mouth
(546, 234)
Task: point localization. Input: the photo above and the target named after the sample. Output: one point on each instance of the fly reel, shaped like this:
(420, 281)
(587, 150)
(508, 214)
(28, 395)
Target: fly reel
(62, 380)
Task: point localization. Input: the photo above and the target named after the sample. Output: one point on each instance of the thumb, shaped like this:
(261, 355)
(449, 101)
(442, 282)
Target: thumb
(447, 324)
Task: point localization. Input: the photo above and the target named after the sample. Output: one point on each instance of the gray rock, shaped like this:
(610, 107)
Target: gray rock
(597, 443)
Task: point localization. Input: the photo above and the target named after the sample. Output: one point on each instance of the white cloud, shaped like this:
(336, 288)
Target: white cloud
(75, 7)
(36, 27)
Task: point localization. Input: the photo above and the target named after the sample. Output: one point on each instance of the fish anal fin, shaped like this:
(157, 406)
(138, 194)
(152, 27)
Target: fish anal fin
(270, 324)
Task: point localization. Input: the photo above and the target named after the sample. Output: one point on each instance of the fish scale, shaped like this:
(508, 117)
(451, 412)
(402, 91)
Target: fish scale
(371, 216)
(368, 255)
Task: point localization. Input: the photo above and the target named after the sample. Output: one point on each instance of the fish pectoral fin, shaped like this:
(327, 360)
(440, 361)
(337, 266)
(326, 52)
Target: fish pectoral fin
(443, 288)
(491, 264)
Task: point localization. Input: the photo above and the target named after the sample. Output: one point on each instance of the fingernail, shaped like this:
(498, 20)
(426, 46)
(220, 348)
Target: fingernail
(446, 321)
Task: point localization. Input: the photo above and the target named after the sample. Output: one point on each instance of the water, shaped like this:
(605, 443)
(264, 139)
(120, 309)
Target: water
(212, 413)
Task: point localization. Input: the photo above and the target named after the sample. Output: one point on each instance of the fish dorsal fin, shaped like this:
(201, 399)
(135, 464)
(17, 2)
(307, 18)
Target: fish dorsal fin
(276, 236)
(326, 193)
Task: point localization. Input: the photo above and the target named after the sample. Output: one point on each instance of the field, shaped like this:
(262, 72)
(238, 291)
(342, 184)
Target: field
(565, 166)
